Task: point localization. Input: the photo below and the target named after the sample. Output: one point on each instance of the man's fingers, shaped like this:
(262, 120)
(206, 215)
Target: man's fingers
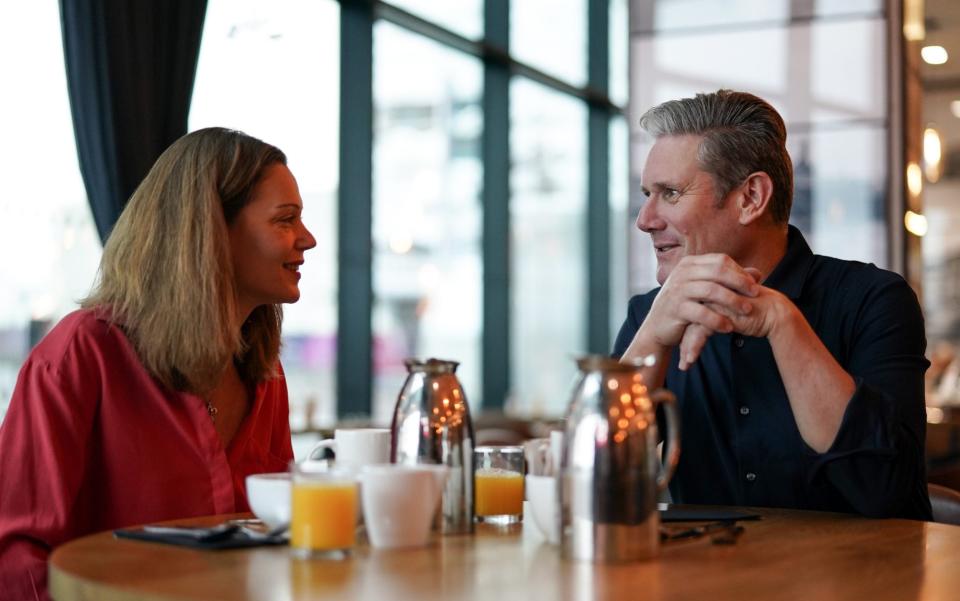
(720, 296)
(695, 313)
(754, 273)
(716, 268)
(692, 343)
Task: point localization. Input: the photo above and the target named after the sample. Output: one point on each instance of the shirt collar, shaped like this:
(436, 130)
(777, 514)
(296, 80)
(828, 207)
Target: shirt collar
(791, 272)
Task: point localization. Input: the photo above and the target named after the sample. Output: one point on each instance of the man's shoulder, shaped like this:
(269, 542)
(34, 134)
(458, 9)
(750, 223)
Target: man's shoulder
(847, 272)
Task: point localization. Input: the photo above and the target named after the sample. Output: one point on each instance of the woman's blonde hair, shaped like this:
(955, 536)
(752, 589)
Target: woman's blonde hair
(166, 275)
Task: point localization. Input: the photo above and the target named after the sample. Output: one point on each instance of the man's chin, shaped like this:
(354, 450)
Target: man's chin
(664, 269)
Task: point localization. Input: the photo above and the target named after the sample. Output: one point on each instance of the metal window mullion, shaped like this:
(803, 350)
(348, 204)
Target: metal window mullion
(355, 241)
(598, 181)
(495, 152)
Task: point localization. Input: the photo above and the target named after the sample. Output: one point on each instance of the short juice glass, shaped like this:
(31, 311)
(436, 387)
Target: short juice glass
(323, 511)
(498, 484)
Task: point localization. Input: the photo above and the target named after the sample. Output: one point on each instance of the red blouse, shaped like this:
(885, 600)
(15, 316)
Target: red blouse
(92, 442)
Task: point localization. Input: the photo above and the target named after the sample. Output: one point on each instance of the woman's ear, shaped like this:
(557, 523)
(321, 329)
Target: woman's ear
(754, 197)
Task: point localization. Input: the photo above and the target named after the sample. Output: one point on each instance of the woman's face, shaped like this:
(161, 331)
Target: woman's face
(267, 242)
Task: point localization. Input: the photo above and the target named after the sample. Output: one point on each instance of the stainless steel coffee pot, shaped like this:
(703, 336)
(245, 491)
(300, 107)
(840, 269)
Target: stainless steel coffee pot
(610, 473)
(431, 424)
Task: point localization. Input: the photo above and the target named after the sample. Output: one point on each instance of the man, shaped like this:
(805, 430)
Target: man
(799, 377)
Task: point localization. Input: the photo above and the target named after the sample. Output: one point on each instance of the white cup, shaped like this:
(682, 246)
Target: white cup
(269, 497)
(556, 451)
(544, 505)
(356, 448)
(399, 502)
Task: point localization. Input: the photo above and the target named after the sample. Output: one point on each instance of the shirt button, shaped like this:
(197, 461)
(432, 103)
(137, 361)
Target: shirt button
(738, 341)
(751, 476)
(744, 410)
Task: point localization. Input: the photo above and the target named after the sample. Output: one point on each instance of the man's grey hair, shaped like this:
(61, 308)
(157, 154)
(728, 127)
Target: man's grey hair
(742, 134)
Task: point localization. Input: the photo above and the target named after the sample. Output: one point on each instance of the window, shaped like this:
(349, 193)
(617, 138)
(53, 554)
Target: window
(47, 237)
(551, 35)
(835, 110)
(547, 242)
(270, 70)
(427, 266)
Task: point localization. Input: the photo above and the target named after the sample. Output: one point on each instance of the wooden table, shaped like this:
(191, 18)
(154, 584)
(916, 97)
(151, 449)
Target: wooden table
(787, 555)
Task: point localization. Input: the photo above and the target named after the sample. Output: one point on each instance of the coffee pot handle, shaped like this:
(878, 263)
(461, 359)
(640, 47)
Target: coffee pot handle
(672, 440)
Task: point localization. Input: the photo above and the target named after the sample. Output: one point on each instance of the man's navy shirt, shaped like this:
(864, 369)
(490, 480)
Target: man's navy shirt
(740, 442)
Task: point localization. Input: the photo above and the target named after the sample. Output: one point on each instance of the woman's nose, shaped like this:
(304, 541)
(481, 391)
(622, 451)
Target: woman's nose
(306, 240)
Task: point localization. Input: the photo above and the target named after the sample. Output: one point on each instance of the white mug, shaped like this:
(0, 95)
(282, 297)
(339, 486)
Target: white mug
(356, 448)
(399, 502)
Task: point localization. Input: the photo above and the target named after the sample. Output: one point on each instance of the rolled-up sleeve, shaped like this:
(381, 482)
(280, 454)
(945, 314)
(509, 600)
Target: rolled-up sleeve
(876, 462)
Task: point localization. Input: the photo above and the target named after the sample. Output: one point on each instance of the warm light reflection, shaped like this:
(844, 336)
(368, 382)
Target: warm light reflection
(914, 179)
(934, 415)
(934, 55)
(915, 223)
(914, 28)
(613, 384)
(932, 152)
(955, 108)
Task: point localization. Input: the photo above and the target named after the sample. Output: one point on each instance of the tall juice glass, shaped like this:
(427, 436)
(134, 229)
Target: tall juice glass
(323, 511)
(498, 484)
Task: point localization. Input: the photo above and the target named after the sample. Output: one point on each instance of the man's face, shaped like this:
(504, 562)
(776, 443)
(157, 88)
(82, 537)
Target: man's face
(682, 213)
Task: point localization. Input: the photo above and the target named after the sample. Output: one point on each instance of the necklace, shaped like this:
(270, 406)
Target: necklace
(211, 410)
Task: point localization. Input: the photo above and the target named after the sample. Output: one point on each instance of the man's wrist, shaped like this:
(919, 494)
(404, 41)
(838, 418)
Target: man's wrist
(786, 318)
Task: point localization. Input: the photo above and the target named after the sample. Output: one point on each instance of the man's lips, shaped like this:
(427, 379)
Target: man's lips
(664, 247)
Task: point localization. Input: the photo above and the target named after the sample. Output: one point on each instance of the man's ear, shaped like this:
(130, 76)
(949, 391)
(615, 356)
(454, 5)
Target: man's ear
(754, 197)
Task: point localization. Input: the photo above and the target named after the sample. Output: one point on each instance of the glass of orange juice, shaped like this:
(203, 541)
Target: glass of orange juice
(498, 484)
(323, 510)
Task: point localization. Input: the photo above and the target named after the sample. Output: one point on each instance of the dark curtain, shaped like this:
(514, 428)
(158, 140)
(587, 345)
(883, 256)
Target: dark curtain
(130, 70)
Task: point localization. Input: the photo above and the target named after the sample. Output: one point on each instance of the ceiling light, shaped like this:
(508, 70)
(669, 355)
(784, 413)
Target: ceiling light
(914, 179)
(915, 223)
(932, 152)
(934, 55)
(913, 26)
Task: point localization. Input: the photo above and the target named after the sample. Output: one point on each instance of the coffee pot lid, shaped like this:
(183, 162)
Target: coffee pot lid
(432, 366)
(608, 364)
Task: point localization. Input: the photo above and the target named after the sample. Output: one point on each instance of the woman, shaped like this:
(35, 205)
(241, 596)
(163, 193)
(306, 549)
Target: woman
(157, 398)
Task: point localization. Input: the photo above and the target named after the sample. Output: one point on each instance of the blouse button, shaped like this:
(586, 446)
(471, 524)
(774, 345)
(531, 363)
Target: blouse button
(751, 476)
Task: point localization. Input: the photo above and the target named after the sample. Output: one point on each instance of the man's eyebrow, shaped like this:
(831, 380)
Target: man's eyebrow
(664, 185)
(292, 205)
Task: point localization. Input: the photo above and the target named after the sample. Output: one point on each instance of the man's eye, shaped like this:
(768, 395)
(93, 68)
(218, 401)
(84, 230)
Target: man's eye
(669, 194)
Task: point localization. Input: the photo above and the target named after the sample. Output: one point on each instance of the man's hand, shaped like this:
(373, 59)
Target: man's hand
(767, 308)
(704, 291)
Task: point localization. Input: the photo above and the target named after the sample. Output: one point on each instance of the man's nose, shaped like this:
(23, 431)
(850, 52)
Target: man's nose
(647, 218)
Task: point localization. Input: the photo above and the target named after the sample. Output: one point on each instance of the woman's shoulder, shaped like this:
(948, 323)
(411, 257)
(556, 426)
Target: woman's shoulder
(84, 333)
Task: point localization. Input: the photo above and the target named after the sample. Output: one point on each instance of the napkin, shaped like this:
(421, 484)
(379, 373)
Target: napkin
(704, 514)
(223, 536)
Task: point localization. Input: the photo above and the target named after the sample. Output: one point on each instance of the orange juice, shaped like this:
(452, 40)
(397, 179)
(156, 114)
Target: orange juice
(323, 515)
(498, 492)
